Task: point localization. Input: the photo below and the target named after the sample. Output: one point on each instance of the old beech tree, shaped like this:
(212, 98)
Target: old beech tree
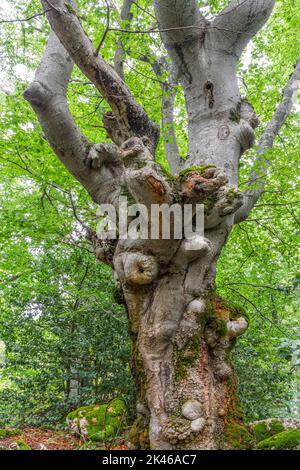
(181, 332)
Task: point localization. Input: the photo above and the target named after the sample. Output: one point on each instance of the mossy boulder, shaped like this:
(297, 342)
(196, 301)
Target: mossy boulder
(238, 437)
(98, 422)
(267, 428)
(286, 440)
(4, 433)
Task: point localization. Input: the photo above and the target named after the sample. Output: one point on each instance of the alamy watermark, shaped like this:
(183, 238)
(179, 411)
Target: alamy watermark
(159, 221)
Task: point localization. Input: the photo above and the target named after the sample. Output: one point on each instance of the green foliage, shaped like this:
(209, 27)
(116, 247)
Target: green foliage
(9, 432)
(257, 266)
(238, 437)
(61, 328)
(286, 440)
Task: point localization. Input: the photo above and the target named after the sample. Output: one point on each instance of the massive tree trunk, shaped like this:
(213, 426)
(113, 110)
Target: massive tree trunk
(182, 333)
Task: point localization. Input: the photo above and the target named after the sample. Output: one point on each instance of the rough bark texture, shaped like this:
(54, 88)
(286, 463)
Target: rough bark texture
(182, 333)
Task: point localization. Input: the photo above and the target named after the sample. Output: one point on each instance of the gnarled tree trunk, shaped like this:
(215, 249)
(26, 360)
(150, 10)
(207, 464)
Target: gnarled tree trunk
(185, 382)
(182, 332)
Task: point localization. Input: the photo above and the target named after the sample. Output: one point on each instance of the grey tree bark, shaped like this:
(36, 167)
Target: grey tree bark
(182, 333)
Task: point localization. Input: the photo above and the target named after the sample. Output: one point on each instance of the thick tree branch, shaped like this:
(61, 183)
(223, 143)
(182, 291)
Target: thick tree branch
(182, 44)
(266, 142)
(178, 14)
(235, 26)
(47, 95)
(131, 118)
(143, 177)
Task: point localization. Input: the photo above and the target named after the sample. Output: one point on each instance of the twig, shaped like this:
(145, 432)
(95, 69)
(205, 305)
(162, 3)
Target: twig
(278, 204)
(256, 286)
(176, 28)
(106, 28)
(21, 20)
(144, 75)
(75, 214)
(256, 309)
(144, 10)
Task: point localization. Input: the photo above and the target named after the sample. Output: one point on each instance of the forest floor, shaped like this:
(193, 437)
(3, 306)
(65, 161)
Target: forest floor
(46, 439)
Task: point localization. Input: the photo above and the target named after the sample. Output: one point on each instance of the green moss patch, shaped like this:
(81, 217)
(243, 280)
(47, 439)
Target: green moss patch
(231, 194)
(238, 437)
(139, 434)
(194, 168)
(98, 422)
(209, 203)
(9, 432)
(286, 440)
(70, 8)
(187, 356)
(167, 174)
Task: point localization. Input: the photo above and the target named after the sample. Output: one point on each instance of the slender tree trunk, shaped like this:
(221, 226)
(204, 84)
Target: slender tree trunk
(74, 384)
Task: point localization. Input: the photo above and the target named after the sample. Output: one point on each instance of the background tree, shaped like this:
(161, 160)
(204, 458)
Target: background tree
(177, 350)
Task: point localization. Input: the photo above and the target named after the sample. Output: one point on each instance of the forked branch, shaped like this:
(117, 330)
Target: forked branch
(131, 117)
(183, 28)
(47, 96)
(235, 26)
